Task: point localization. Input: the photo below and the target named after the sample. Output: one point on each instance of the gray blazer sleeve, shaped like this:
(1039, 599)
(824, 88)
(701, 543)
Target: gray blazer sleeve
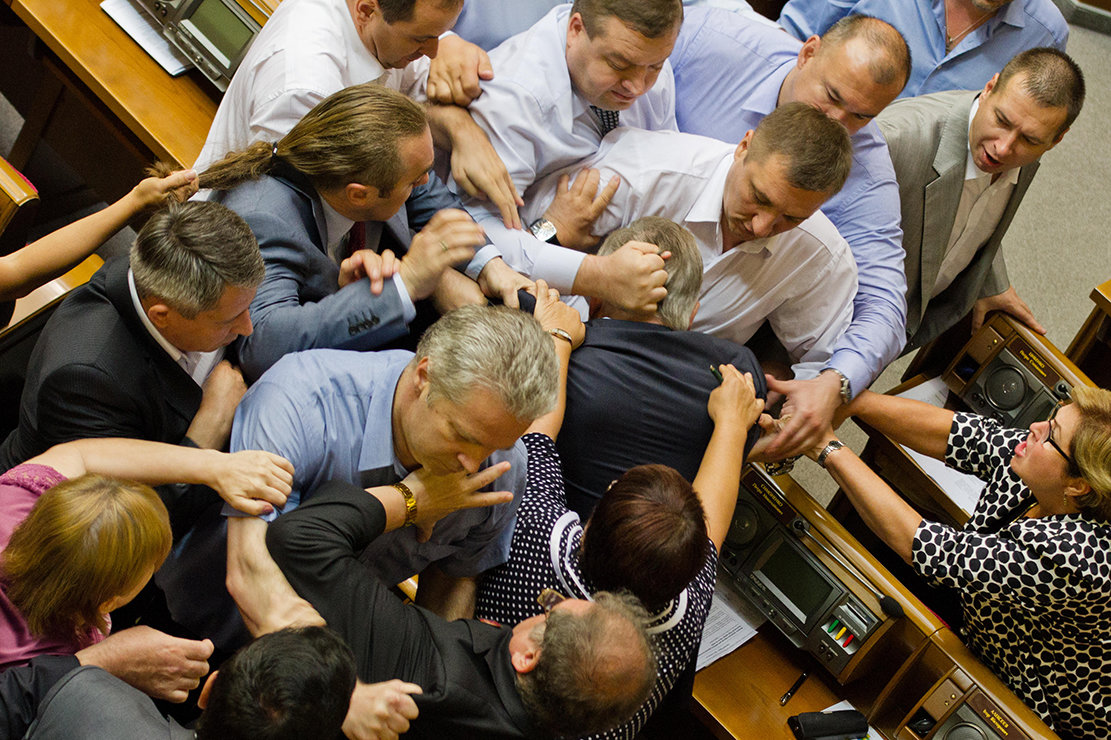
(300, 306)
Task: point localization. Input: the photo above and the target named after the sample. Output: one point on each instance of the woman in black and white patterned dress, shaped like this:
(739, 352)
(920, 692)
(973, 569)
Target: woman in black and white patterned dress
(1033, 564)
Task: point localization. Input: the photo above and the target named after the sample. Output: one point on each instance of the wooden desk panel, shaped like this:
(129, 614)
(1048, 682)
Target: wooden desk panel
(169, 115)
(738, 696)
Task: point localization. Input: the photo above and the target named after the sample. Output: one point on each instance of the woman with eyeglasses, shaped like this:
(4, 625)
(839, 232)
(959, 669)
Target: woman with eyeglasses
(1033, 565)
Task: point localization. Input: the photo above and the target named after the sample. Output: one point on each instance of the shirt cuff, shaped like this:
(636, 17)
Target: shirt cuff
(557, 265)
(481, 257)
(408, 310)
(852, 367)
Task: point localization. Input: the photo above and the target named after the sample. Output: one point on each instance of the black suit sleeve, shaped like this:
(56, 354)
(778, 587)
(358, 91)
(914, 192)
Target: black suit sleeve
(23, 687)
(317, 547)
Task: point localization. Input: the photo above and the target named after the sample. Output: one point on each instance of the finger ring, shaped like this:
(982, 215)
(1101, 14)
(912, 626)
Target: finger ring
(443, 246)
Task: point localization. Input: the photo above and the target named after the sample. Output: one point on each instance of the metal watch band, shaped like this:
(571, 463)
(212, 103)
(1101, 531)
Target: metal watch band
(829, 449)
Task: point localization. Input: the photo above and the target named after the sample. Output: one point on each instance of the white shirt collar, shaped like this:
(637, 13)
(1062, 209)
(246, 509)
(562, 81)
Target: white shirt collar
(971, 171)
(174, 353)
(708, 208)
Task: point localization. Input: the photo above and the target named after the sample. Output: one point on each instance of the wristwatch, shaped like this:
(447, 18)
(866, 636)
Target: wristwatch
(846, 387)
(544, 230)
(832, 446)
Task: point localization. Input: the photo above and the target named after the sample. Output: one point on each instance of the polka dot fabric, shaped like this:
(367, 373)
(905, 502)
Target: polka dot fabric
(1036, 592)
(544, 554)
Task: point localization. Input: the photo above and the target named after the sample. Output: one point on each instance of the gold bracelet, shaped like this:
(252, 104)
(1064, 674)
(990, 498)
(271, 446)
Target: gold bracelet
(410, 504)
(562, 334)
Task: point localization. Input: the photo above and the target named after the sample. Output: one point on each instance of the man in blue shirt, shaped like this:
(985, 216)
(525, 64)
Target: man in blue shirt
(955, 44)
(480, 376)
(729, 74)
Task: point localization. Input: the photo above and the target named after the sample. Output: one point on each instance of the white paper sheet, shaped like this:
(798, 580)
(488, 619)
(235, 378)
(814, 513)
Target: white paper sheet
(133, 18)
(732, 622)
(843, 705)
(963, 489)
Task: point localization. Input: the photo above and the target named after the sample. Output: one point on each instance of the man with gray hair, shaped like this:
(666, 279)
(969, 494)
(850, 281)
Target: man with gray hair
(629, 356)
(459, 405)
(139, 352)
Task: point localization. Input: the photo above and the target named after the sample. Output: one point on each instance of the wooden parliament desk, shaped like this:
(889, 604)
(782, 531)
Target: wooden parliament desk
(155, 115)
(912, 669)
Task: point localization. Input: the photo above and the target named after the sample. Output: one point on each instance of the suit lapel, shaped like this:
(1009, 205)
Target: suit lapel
(943, 197)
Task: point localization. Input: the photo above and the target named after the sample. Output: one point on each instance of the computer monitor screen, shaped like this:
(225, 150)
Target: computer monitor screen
(220, 30)
(796, 580)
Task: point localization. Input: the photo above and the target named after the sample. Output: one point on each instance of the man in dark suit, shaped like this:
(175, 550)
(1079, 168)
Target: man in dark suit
(963, 161)
(580, 667)
(637, 387)
(138, 351)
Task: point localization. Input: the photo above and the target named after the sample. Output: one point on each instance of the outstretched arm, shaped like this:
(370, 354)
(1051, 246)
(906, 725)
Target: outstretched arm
(885, 512)
(252, 481)
(45, 259)
(554, 315)
(734, 408)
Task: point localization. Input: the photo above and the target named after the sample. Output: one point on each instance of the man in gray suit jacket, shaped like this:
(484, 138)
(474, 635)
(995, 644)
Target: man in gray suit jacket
(963, 161)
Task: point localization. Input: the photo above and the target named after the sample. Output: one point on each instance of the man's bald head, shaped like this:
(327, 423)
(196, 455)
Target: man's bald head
(851, 73)
(890, 60)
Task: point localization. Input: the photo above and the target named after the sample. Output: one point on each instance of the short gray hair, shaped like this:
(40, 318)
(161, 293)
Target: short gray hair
(684, 267)
(187, 254)
(595, 669)
(500, 349)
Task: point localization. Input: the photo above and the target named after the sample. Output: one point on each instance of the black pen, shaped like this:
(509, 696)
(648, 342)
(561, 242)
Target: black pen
(791, 691)
(717, 374)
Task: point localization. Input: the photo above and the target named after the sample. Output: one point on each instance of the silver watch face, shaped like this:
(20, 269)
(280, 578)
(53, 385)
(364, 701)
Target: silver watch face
(543, 229)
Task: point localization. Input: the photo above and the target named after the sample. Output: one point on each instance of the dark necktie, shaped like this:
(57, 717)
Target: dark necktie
(356, 239)
(609, 119)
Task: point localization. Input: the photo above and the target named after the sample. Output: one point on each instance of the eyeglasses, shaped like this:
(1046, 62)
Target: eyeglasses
(548, 599)
(1049, 433)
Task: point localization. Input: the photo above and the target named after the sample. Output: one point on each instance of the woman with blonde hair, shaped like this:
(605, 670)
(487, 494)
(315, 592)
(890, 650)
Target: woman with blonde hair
(1032, 565)
(78, 543)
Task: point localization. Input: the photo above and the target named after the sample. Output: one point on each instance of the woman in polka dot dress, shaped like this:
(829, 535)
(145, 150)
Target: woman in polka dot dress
(651, 534)
(1033, 564)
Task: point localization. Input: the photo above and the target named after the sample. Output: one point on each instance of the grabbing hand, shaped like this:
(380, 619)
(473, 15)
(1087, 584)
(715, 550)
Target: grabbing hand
(153, 192)
(806, 415)
(631, 278)
(439, 495)
(220, 396)
(735, 401)
(366, 263)
(450, 236)
(157, 664)
(380, 711)
(252, 481)
(479, 170)
(499, 280)
(1008, 302)
(454, 74)
(553, 313)
(577, 205)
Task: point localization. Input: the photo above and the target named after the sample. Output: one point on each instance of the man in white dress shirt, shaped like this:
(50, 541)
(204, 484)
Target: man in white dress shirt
(963, 161)
(559, 88)
(308, 50)
(768, 253)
